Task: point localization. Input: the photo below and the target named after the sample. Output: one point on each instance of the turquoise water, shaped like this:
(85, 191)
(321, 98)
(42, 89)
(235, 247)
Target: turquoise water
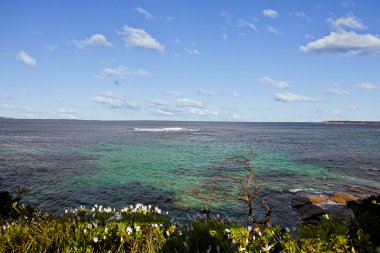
(70, 163)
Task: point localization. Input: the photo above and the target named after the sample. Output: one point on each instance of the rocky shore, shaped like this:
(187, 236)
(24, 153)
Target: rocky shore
(337, 206)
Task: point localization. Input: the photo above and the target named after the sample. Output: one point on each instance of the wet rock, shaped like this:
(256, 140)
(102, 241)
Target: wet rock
(310, 211)
(362, 192)
(339, 212)
(342, 198)
(300, 201)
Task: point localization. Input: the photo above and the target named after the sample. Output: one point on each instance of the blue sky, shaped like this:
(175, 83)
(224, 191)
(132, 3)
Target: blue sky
(190, 60)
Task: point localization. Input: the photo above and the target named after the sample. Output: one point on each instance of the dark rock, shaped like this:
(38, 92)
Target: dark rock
(338, 212)
(310, 211)
(300, 201)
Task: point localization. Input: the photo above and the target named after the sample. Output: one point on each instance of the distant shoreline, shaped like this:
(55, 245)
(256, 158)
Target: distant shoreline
(351, 122)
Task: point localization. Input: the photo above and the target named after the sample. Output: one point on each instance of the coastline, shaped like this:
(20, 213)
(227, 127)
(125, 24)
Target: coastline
(348, 122)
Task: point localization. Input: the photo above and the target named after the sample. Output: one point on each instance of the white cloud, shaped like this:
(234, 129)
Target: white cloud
(343, 42)
(348, 4)
(349, 21)
(114, 101)
(303, 15)
(181, 107)
(144, 12)
(6, 96)
(202, 112)
(97, 40)
(277, 84)
(136, 37)
(26, 58)
(141, 72)
(235, 94)
(121, 72)
(270, 13)
(244, 23)
(226, 16)
(272, 30)
(193, 51)
(170, 18)
(185, 102)
(7, 107)
(291, 97)
(368, 86)
(209, 93)
(337, 91)
(64, 113)
(309, 36)
(51, 48)
(173, 94)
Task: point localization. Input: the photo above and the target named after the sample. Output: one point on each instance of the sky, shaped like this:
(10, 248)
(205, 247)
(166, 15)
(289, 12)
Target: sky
(258, 60)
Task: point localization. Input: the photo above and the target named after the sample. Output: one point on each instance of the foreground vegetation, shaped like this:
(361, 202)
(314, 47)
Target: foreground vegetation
(143, 228)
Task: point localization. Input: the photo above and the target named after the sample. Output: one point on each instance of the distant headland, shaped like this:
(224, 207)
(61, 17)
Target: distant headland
(351, 122)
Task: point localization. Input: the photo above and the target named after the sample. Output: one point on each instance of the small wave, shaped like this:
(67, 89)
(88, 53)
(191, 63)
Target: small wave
(165, 129)
(305, 190)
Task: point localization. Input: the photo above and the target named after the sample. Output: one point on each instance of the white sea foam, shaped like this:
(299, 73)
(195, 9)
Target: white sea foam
(165, 129)
(305, 190)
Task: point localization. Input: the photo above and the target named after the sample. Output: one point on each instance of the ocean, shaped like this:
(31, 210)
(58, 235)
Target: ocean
(67, 163)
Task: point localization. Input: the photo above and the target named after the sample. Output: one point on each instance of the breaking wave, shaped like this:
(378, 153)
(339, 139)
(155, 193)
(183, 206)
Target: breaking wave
(165, 129)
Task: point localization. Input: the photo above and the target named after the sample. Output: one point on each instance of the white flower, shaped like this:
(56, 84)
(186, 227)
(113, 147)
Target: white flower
(104, 237)
(137, 228)
(129, 230)
(167, 233)
(247, 241)
(89, 226)
(180, 232)
(84, 230)
(118, 216)
(106, 230)
(241, 249)
(227, 231)
(266, 248)
(66, 211)
(121, 239)
(95, 239)
(249, 228)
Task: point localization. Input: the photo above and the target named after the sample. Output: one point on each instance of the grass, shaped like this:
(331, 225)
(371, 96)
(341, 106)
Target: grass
(142, 228)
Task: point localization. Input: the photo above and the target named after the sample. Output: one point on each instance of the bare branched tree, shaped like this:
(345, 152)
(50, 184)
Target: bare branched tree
(248, 190)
